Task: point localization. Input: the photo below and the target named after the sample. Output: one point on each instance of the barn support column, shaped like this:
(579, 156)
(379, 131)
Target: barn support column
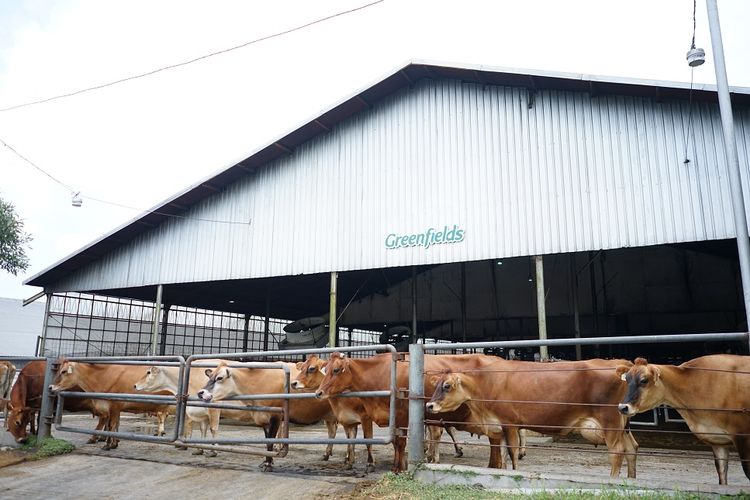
(541, 310)
(416, 406)
(332, 310)
(43, 342)
(156, 319)
(574, 295)
(47, 407)
(463, 300)
(267, 322)
(164, 321)
(733, 163)
(413, 339)
(245, 332)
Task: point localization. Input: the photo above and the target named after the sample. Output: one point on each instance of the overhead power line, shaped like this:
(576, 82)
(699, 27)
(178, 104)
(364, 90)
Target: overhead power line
(190, 61)
(99, 200)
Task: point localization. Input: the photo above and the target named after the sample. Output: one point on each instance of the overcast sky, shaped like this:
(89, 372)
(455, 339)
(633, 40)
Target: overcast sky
(139, 142)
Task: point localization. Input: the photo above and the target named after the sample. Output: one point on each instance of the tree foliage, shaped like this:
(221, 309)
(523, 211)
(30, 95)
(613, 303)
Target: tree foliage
(13, 240)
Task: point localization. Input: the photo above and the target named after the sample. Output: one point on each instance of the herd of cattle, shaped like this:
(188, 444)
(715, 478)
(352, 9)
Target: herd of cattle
(480, 394)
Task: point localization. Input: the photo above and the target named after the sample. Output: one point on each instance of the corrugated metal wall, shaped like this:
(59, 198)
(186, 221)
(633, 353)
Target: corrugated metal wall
(571, 172)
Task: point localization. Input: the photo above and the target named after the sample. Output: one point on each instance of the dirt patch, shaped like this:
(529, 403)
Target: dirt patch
(13, 457)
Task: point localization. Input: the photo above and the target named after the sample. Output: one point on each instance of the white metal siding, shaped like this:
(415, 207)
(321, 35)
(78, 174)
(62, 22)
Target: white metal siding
(570, 173)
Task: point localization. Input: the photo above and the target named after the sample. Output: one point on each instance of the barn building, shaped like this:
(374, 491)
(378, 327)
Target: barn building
(453, 201)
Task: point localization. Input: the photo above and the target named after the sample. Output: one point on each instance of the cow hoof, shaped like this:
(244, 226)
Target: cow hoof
(370, 468)
(348, 466)
(266, 467)
(210, 453)
(198, 452)
(163, 434)
(106, 447)
(459, 453)
(93, 440)
(326, 457)
(181, 447)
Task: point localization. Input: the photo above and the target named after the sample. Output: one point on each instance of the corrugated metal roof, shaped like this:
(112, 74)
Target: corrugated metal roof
(361, 100)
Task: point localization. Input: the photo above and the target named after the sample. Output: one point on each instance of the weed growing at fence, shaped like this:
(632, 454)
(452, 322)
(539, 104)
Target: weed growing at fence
(403, 486)
(48, 447)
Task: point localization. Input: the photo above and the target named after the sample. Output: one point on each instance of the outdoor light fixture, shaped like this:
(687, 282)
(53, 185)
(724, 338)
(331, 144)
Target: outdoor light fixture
(231, 302)
(696, 57)
(499, 262)
(76, 200)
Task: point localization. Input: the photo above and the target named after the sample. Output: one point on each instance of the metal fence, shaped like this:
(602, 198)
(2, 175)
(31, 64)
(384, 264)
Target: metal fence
(417, 377)
(180, 402)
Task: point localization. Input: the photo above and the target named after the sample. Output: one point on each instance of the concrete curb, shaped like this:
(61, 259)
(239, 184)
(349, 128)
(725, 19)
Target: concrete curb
(526, 482)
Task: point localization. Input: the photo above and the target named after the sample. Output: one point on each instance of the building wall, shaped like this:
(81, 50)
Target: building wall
(20, 326)
(568, 172)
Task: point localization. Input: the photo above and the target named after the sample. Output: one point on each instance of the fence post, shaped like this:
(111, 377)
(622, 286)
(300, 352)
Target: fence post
(48, 402)
(416, 405)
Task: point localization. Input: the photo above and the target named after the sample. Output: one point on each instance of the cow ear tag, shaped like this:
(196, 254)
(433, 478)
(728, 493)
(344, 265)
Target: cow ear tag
(323, 370)
(624, 377)
(70, 368)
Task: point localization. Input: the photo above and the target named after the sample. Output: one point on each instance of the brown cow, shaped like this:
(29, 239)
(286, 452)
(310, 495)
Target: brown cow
(108, 378)
(551, 398)
(26, 399)
(712, 394)
(225, 382)
(373, 374)
(7, 373)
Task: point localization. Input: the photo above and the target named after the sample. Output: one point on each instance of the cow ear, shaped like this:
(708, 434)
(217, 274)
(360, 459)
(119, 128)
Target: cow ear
(657, 372)
(208, 372)
(299, 365)
(622, 370)
(433, 380)
(154, 369)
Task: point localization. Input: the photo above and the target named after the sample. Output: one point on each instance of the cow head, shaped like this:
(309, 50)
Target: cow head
(153, 380)
(311, 373)
(645, 389)
(220, 385)
(337, 376)
(18, 420)
(67, 377)
(450, 393)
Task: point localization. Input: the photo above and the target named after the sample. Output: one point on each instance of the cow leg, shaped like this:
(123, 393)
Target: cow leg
(522, 441)
(213, 426)
(631, 453)
(615, 441)
(204, 430)
(512, 436)
(271, 429)
(742, 443)
(331, 426)
(452, 433)
(496, 451)
(434, 435)
(721, 460)
(161, 417)
(99, 426)
(351, 433)
(114, 425)
(399, 457)
(367, 433)
(32, 421)
(187, 433)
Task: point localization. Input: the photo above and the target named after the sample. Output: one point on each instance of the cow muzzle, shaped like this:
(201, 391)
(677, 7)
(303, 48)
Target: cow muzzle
(205, 395)
(297, 385)
(319, 394)
(431, 407)
(626, 409)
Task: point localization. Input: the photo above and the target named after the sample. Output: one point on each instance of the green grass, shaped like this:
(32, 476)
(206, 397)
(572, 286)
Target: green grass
(403, 487)
(49, 447)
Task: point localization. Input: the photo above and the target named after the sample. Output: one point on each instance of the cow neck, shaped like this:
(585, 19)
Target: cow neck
(173, 374)
(94, 378)
(469, 384)
(673, 379)
(370, 374)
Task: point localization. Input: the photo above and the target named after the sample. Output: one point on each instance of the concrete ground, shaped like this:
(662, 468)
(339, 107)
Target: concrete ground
(144, 470)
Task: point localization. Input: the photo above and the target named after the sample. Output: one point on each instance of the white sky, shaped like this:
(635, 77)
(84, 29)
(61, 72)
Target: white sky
(139, 142)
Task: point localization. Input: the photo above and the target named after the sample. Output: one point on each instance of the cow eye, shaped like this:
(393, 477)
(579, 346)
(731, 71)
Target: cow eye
(311, 369)
(644, 381)
(336, 370)
(219, 379)
(447, 387)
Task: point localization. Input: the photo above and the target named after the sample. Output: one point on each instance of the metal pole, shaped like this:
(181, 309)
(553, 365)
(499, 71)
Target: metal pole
(332, 311)
(541, 310)
(574, 294)
(245, 332)
(156, 319)
(164, 321)
(48, 402)
(413, 304)
(267, 322)
(463, 300)
(733, 164)
(43, 342)
(416, 405)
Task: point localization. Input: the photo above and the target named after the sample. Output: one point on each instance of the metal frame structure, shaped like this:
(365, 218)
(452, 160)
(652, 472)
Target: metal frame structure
(416, 368)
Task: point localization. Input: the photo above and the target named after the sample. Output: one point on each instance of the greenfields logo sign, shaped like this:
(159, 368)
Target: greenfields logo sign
(426, 239)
